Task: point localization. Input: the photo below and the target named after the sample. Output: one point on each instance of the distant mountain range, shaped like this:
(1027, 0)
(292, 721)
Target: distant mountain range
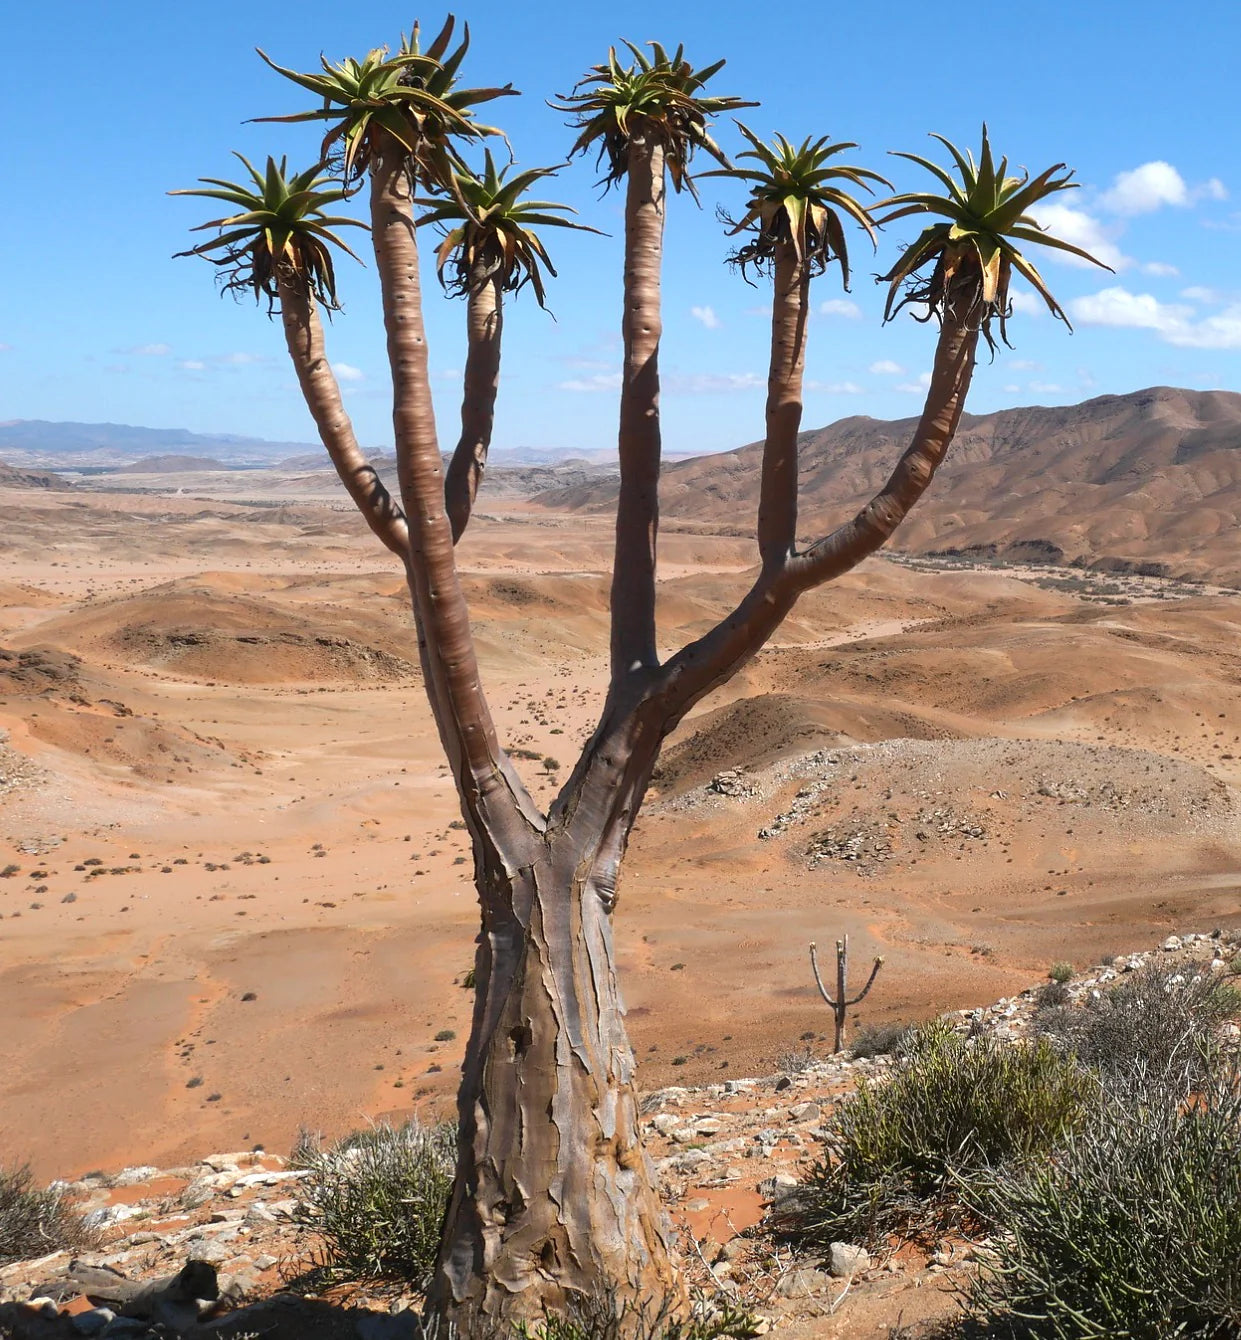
(39, 444)
(1148, 478)
(27, 443)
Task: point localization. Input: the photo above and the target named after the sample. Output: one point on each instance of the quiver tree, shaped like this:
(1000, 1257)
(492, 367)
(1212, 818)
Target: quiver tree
(553, 1197)
(840, 1004)
(490, 248)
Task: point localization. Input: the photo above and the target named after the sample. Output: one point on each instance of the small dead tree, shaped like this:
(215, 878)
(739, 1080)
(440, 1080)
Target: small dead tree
(842, 1004)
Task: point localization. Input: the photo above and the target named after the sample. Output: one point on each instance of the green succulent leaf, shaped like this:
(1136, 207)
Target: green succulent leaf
(411, 96)
(489, 230)
(279, 231)
(658, 95)
(973, 254)
(796, 200)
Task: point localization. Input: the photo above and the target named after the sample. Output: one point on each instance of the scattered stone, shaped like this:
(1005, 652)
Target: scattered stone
(847, 1260)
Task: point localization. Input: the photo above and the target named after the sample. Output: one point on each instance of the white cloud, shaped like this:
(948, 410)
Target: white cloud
(1045, 388)
(240, 360)
(346, 372)
(916, 388)
(1160, 269)
(1153, 185)
(191, 365)
(1145, 189)
(707, 316)
(886, 368)
(1025, 365)
(840, 307)
(1026, 304)
(834, 388)
(763, 309)
(1118, 307)
(1176, 323)
(601, 381)
(1012, 389)
(6, 348)
(149, 350)
(1082, 230)
(1086, 378)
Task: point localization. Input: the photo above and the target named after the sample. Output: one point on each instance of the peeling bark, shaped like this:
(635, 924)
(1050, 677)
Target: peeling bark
(554, 1194)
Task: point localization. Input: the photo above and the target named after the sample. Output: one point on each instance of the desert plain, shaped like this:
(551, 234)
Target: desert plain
(236, 894)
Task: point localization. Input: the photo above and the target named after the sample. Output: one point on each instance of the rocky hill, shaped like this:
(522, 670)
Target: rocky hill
(1148, 478)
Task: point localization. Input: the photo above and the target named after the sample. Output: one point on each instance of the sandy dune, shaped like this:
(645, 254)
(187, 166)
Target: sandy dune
(236, 896)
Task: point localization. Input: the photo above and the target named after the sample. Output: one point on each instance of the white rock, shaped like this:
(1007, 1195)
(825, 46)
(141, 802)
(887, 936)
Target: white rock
(846, 1260)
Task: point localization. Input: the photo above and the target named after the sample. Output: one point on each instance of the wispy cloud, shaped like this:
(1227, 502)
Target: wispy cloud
(1027, 304)
(712, 383)
(840, 307)
(346, 372)
(886, 368)
(707, 316)
(191, 365)
(600, 381)
(1160, 269)
(834, 388)
(148, 350)
(915, 388)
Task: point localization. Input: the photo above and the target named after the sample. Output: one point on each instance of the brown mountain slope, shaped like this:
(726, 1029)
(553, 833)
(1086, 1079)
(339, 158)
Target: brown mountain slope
(29, 479)
(1149, 477)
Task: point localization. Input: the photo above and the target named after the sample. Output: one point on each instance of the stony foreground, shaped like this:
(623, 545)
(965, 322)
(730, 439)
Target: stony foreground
(218, 1249)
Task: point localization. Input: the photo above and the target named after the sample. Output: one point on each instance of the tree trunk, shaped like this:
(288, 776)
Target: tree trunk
(777, 503)
(554, 1195)
(484, 328)
(638, 448)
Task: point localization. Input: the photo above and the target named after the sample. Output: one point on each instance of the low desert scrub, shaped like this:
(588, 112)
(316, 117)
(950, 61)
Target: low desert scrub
(880, 1039)
(35, 1221)
(1132, 1230)
(377, 1199)
(897, 1152)
(1157, 1027)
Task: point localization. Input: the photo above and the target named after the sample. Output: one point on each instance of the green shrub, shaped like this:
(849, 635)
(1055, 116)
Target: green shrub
(950, 1105)
(1133, 1230)
(377, 1200)
(35, 1221)
(1158, 1028)
(880, 1039)
(1052, 996)
(1060, 972)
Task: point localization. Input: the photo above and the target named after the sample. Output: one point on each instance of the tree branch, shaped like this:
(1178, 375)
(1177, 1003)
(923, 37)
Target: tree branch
(715, 657)
(870, 528)
(637, 509)
(485, 776)
(484, 328)
(777, 501)
(303, 332)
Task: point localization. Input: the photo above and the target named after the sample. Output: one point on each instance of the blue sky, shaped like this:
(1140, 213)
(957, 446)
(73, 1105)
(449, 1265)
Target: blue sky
(112, 105)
